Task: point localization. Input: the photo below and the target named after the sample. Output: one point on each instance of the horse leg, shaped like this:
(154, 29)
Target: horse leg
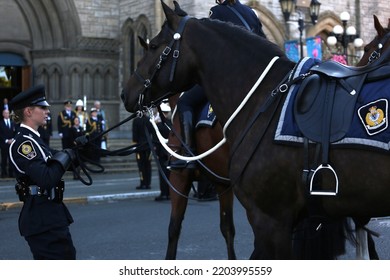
(272, 237)
(273, 242)
(365, 245)
(226, 197)
(182, 184)
(361, 244)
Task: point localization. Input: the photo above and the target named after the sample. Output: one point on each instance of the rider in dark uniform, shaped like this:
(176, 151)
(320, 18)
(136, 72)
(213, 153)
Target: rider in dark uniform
(64, 123)
(226, 10)
(44, 220)
(143, 156)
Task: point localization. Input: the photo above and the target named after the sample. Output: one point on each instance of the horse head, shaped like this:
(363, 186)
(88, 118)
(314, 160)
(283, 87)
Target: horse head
(161, 69)
(378, 45)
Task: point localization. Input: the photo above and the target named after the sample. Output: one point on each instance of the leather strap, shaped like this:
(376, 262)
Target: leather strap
(240, 17)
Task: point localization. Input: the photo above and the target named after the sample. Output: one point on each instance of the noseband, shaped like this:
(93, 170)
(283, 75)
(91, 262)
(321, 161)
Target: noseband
(377, 53)
(175, 45)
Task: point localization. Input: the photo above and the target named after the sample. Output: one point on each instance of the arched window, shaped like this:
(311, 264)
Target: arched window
(143, 33)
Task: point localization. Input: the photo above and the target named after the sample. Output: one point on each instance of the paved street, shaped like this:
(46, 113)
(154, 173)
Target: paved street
(115, 221)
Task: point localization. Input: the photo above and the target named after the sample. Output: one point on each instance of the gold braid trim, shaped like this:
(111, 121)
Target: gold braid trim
(65, 122)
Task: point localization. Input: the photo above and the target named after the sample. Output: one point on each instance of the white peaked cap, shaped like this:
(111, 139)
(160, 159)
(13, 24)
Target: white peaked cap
(79, 103)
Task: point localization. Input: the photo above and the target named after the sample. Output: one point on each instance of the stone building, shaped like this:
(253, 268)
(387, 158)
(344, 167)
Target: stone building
(88, 48)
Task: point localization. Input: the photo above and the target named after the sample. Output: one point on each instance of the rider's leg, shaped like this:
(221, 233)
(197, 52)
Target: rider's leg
(186, 125)
(185, 107)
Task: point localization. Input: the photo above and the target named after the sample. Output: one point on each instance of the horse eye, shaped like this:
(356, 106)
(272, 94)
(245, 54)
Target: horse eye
(153, 46)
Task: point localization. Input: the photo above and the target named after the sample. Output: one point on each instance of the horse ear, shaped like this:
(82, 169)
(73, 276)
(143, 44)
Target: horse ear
(167, 10)
(170, 15)
(143, 42)
(379, 28)
(178, 10)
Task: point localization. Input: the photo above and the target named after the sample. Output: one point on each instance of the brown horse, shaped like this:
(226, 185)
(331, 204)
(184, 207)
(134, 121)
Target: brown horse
(181, 181)
(266, 176)
(378, 45)
(372, 51)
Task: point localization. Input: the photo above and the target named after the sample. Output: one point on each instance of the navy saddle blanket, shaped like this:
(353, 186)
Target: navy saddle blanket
(369, 126)
(206, 116)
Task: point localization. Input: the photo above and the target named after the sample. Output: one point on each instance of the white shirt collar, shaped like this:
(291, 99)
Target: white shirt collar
(31, 129)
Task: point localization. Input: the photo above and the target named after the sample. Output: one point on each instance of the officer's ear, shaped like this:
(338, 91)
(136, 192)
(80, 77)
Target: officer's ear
(28, 110)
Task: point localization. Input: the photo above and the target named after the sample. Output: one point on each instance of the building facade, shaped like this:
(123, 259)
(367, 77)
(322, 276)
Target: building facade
(88, 48)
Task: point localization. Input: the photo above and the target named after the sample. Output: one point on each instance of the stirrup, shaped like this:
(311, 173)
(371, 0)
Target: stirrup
(319, 192)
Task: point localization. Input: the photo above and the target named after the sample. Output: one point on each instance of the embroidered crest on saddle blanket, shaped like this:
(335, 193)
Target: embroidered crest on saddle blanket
(369, 125)
(374, 116)
(26, 149)
(206, 117)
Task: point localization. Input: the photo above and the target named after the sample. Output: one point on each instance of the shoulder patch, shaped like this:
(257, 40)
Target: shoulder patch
(26, 149)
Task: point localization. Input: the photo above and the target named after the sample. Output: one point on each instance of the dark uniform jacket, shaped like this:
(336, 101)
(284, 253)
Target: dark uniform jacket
(6, 133)
(76, 132)
(65, 122)
(94, 128)
(31, 158)
(139, 136)
(223, 13)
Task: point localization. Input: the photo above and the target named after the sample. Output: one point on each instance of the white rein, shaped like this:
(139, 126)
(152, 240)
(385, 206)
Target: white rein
(163, 141)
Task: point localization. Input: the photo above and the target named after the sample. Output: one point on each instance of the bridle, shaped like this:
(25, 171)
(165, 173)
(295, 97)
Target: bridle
(173, 45)
(377, 53)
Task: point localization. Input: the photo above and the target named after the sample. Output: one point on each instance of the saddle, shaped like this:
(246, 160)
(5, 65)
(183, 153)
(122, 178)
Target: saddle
(325, 104)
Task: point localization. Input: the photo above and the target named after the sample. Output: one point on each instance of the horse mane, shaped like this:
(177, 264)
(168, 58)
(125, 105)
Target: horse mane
(241, 33)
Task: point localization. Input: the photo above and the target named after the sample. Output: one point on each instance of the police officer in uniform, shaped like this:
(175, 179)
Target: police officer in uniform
(229, 11)
(143, 156)
(94, 129)
(44, 219)
(65, 122)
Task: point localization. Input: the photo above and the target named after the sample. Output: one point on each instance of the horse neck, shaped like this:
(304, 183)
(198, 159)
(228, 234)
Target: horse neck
(228, 66)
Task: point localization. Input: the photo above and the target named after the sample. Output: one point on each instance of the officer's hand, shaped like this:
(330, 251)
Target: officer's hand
(82, 140)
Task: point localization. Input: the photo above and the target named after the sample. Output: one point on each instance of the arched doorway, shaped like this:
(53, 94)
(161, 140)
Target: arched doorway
(14, 75)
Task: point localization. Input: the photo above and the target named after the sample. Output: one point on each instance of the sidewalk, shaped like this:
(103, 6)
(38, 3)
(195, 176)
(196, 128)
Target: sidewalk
(106, 186)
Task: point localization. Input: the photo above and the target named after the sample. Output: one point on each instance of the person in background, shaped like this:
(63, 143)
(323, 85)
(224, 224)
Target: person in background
(7, 134)
(64, 123)
(81, 113)
(162, 154)
(46, 130)
(94, 129)
(143, 155)
(5, 104)
(229, 11)
(76, 131)
(44, 219)
(102, 115)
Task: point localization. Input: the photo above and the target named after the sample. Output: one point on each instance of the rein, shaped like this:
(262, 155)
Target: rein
(164, 177)
(229, 121)
(84, 142)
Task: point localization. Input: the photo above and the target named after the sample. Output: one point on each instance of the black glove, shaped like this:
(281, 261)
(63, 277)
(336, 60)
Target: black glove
(62, 158)
(82, 140)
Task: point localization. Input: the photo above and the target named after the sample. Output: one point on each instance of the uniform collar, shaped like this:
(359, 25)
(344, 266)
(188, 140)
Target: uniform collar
(31, 129)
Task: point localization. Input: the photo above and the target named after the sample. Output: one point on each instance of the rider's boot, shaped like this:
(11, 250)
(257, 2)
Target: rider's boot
(186, 121)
